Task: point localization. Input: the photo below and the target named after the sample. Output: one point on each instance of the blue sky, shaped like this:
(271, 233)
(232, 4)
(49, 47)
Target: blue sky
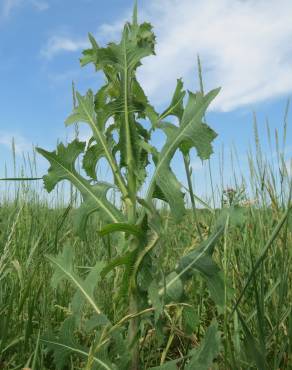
(245, 47)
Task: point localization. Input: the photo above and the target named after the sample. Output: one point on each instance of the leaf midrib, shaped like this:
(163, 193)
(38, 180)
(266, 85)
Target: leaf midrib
(204, 250)
(171, 146)
(110, 159)
(71, 174)
(72, 278)
(73, 349)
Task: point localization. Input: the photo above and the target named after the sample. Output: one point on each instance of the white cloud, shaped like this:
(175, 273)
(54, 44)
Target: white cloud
(21, 143)
(245, 47)
(8, 6)
(58, 44)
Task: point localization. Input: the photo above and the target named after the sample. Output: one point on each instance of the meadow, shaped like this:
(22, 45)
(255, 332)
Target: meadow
(152, 279)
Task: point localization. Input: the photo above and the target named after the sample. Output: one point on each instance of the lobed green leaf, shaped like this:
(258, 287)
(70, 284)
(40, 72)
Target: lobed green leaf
(191, 133)
(94, 196)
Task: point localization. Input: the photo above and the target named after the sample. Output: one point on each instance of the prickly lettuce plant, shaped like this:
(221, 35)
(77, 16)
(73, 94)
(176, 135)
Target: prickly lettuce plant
(144, 295)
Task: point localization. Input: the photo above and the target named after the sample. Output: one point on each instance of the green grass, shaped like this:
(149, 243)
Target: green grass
(255, 258)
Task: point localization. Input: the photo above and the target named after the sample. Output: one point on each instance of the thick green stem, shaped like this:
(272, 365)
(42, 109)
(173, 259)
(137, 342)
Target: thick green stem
(133, 331)
(133, 305)
(133, 344)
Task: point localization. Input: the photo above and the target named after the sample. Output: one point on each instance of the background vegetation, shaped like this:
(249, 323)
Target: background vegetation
(29, 305)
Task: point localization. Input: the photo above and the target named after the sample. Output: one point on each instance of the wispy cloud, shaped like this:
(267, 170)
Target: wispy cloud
(21, 143)
(245, 47)
(8, 6)
(58, 44)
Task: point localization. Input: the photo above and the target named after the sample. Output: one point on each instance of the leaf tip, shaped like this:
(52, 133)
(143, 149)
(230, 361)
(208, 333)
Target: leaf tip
(135, 13)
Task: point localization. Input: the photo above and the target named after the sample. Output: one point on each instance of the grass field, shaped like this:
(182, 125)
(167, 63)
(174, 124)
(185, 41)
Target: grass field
(254, 256)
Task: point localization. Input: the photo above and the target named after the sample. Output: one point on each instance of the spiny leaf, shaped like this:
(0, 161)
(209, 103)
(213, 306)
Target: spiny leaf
(140, 100)
(89, 284)
(65, 345)
(203, 135)
(62, 163)
(85, 112)
(91, 157)
(191, 132)
(137, 42)
(94, 196)
(64, 270)
(89, 55)
(96, 201)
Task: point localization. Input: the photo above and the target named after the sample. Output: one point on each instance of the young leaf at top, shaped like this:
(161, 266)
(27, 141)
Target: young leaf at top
(124, 58)
(91, 157)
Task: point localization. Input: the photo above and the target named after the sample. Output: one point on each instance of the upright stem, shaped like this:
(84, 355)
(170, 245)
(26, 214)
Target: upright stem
(133, 301)
(133, 304)
(132, 332)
